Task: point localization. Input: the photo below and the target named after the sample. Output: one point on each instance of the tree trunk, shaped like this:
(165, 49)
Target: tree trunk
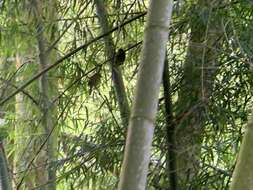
(171, 165)
(5, 182)
(23, 133)
(199, 72)
(47, 90)
(116, 72)
(141, 125)
(243, 173)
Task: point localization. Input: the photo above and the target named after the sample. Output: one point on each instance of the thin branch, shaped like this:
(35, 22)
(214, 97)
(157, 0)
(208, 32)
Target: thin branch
(8, 83)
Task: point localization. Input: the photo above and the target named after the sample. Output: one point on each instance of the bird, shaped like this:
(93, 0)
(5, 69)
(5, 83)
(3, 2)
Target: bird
(120, 57)
(94, 81)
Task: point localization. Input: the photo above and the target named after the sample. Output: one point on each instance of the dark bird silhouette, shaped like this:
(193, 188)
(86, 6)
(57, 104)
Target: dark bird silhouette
(120, 57)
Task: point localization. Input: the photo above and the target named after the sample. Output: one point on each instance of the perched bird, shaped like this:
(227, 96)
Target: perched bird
(120, 57)
(94, 81)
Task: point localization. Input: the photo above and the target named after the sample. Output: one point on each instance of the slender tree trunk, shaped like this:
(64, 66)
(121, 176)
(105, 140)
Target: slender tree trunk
(47, 89)
(35, 169)
(141, 125)
(5, 182)
(116, 72)
(23, 134)
(243, 173)
(170, 129)
(199, 72)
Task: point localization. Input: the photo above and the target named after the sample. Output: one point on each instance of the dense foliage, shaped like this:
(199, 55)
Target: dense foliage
(91, 136)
